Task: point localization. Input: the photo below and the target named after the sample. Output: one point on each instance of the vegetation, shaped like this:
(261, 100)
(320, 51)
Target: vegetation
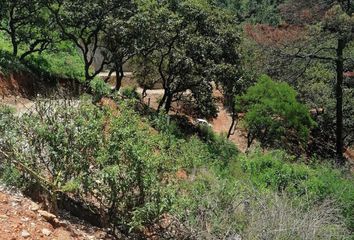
(62, 149)
(273, 115)
(283, 71)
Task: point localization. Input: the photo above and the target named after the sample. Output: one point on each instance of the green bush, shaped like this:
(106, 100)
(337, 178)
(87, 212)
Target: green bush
(99, 89)
(130, 93)
(275, 171)
(273, 114)
(215, 207)
(116, 160)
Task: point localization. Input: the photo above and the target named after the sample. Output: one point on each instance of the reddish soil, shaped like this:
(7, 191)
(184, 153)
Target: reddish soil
(17, 84)
(21, 218)
(222, 123)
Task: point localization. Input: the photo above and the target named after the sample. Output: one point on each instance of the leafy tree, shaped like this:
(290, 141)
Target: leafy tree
(84, 23)
(255, 11)
(27, 24)
(320, 32)
(273, 115)
(120, 38)
(192, 50)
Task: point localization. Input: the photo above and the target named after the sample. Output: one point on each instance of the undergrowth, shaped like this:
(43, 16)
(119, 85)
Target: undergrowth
(140, 173)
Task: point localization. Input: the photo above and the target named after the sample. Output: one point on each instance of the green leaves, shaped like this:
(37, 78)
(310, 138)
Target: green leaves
(273, 113)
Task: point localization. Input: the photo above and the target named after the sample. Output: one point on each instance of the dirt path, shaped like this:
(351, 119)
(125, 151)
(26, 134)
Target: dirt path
(21, 105)
(222, 123)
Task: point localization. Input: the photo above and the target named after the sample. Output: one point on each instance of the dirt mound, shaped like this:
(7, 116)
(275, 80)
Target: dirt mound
(21, 218)
(17, 84)
(28, 85)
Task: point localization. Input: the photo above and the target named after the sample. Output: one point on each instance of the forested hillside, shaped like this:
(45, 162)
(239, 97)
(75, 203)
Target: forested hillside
(179, 119)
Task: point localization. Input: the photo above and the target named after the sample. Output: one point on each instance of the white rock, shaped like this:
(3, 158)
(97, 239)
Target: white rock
(46, 231)
(34, 207)
(25, 234)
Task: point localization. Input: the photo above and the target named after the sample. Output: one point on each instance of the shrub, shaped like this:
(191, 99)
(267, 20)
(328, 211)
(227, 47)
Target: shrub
(273, 115)
(212, 207)
(222, 149)
(130, 93)
(113, 162)
(274, 171)
(277, 217)
(99, 88)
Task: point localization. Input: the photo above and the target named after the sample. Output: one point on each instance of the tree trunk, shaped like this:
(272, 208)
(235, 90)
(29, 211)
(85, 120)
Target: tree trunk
(168, 102)
(14, 46)
(233, 123)
(162, 101)
(14, 41)
(339, 103)
(119, 77)
(12, 32)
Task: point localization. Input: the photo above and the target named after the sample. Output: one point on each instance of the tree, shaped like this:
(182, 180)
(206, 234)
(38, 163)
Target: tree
(85, 23)
(324, 35)
(273, 115)
(191, 50)
(255, 11)
(27, 24)
(120, 39)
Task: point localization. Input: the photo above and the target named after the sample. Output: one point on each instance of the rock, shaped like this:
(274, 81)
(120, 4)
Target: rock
(17, 199)
(26, 219)
(34, 207)
(25, 234)
(3, 217)
(3, 198)
(46, 231)
(234, 237)
(47, 216)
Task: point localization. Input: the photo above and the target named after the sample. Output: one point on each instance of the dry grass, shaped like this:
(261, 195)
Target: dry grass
(276, 217)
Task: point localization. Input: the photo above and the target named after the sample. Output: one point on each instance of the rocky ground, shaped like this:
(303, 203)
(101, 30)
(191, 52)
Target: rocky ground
(21, 218)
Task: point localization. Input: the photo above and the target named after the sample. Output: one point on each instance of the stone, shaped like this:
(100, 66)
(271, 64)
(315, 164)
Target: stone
(46, 231)
(46, 215)
(25, 234)
(34, 207)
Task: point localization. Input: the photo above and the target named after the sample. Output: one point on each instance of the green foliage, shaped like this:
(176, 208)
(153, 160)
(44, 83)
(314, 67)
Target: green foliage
(273, 113)
(130, 92)
(99, 88)
(211, 207)
(275, 171)
(28, 26)
(63, 61)
(219, 205)
(198, 46)
(221, 148)
(125, 165)
(254, 11)
(9, 63)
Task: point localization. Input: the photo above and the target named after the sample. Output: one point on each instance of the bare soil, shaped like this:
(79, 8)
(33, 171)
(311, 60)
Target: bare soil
(21, 218)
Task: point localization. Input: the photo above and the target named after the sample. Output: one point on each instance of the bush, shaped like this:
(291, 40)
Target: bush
(277, 217)
(114, 162)
(273, 115)
(62, 148)
(316, 183)
(130, 93)
(212, 207)
(222, 149)
(99, 88)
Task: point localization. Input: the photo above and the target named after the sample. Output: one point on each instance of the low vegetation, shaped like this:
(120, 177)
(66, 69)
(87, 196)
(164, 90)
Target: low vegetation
(282, 70)
(135, 177)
